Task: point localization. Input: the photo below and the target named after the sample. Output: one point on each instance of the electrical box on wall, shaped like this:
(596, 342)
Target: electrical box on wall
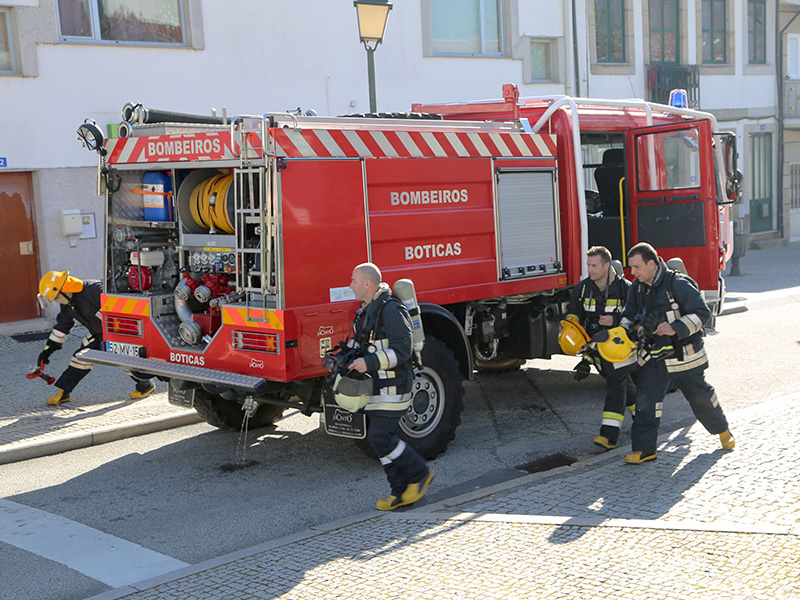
(71, 223)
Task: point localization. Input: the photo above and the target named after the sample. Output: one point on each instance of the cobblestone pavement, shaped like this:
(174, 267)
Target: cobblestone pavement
(100, 409)
(698, 523)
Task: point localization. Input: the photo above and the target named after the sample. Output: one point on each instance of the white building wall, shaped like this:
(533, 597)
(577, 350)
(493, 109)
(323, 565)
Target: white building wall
(258, 56)
(252, 57)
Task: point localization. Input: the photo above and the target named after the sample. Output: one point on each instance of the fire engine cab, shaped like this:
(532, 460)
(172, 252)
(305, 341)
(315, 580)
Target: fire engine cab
(230, 242)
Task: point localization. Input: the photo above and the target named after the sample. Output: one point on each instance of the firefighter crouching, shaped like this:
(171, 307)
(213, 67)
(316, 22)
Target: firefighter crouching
(382, 339)
(596, 305)
(79, 300)
(666, 312)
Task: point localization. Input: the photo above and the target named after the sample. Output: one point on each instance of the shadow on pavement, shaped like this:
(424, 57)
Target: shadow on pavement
(647, 491)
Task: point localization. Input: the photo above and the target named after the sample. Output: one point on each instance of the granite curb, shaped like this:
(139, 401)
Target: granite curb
(100, 435)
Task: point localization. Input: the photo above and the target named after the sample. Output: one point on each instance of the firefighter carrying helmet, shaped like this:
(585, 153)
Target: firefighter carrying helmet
(614, 345)
(58, 281)
(572, 336)
(352, 391)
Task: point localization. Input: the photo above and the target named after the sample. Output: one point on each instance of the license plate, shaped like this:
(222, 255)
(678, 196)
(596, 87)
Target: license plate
(341, 422)
(125, 349)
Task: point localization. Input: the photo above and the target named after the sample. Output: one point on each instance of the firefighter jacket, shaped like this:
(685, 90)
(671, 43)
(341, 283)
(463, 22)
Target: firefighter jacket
(588, 303)
(673, 297)
(84, 307)
(383, 338)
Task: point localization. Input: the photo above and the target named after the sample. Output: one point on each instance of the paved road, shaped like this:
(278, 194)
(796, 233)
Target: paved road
(510, 420)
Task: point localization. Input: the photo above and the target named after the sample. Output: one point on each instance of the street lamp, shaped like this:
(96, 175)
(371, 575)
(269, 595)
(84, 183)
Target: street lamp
(372, 17)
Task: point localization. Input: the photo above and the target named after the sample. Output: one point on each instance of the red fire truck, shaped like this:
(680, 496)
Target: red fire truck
(230, 243)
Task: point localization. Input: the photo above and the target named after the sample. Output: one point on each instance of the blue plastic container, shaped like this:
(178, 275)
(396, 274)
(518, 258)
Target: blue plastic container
(157, 197)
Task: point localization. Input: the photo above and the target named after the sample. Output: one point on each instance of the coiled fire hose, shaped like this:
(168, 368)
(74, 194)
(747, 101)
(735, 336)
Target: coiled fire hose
(207, 204)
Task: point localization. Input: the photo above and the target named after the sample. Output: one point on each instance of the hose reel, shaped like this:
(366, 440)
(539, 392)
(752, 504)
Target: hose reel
(206, 202)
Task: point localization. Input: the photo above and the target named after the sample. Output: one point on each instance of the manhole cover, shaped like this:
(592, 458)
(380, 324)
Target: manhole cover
(231, 467)
(548, 462)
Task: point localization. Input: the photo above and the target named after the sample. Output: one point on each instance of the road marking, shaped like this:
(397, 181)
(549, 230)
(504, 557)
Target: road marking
(108, 559)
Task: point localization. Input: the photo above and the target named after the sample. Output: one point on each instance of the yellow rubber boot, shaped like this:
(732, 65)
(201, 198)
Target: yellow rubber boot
(727, 440)
(137, 395)
(390, 503)
(58, 398)
(636, 458)
(415, 491)
(604, 442)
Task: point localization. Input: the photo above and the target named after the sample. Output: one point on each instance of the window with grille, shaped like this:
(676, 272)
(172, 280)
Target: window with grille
(795, 185)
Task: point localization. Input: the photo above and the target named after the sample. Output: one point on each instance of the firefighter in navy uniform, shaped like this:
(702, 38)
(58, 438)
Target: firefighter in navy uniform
(596, 304)
(666, 312)
(80, 301)
(382, 336)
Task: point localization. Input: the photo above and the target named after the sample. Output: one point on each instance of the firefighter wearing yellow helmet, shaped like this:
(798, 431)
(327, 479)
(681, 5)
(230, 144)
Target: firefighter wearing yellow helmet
(596, 305)
(79, 301)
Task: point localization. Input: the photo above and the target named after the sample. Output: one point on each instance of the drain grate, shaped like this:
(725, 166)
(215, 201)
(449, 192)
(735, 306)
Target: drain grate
(548, 462)
(23, 338)
(233, 467)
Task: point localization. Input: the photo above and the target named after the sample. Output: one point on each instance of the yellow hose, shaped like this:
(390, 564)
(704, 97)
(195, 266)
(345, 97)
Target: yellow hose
(213, 217)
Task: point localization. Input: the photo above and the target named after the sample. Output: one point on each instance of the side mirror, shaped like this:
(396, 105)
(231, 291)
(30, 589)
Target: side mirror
(734, 185)
(733, 176)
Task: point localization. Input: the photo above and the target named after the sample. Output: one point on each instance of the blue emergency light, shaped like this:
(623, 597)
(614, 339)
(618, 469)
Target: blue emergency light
(677, 98)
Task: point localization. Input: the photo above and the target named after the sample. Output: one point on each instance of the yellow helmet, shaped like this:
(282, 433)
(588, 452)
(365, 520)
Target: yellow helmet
(58, 281)
(572, 336)
(614, 345)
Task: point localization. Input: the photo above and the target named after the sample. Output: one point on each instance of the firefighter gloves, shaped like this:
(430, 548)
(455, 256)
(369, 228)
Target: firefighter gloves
(582, 370)
(49, 348)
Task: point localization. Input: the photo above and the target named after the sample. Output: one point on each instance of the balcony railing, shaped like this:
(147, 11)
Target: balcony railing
(662, 78)
(791, 98)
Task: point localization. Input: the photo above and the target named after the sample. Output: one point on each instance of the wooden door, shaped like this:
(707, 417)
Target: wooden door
(19, 272)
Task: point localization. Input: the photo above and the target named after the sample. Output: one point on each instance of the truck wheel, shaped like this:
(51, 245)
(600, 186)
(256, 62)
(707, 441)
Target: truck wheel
(498, 365)
(437, 402)
(227, 414)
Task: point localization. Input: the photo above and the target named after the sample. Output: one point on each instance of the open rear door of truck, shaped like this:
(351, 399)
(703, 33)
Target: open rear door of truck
(672, 193)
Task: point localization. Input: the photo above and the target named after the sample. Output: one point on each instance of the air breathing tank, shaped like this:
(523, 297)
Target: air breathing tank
(404, 289)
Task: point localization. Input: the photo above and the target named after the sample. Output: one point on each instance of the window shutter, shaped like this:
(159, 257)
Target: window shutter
(793, 56)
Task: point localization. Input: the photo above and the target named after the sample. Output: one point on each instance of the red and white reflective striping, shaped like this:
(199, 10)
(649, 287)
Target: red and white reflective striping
(333, 143)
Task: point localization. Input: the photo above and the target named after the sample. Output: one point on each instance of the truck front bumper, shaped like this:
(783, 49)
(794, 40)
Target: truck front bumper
(166, 370)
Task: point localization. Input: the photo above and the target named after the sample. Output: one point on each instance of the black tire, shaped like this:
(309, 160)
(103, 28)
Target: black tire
(498, 365)
(228, 415)
(438, 400)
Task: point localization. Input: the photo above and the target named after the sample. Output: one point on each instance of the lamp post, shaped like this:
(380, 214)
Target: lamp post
(372, 17)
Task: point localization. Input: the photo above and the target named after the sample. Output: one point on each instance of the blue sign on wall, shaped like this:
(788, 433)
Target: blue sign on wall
(3, 162)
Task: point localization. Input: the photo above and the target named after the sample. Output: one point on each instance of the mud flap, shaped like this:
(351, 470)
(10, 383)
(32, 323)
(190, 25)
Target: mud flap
(184, 398)
(341, 422)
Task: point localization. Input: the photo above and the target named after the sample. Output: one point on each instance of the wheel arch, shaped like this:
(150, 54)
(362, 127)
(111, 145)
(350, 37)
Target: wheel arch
(443, 325)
